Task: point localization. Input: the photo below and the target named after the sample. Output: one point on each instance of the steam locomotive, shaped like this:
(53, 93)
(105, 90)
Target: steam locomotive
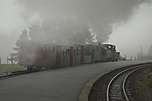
(36, 57)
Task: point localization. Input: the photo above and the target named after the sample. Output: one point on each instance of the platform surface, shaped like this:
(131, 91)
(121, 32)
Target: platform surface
(54, 85)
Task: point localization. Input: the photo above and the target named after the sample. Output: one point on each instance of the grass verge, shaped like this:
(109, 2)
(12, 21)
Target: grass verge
(10, 68)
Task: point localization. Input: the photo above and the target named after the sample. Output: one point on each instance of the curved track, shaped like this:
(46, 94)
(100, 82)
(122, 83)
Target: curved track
(117, 90)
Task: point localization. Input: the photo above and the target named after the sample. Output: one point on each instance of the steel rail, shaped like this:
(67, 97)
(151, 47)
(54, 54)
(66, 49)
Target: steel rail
(124, 82)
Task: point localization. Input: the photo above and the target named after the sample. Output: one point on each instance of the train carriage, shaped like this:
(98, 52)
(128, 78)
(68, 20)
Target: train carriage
(55, 56)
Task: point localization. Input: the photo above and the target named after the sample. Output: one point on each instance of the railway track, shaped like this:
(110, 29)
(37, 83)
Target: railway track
(116, 85)
(116, 89)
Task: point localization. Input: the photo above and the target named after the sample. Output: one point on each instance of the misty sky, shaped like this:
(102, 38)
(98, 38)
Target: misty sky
(135, 34)
(128, 20)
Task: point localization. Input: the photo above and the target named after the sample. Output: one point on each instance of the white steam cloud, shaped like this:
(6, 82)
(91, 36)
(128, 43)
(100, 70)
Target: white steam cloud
(99, 14)
(134, 35)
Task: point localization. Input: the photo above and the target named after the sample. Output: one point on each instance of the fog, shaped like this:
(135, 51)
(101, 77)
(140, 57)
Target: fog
(134, 35)
(101, 16)
(98, 14)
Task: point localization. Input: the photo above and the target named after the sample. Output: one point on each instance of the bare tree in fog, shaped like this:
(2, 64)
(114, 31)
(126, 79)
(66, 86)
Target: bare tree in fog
(63, 33)
(31, 39)
(22, 39)
(21, 44)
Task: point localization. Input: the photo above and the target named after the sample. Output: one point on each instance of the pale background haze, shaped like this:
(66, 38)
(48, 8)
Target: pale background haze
(126, 23)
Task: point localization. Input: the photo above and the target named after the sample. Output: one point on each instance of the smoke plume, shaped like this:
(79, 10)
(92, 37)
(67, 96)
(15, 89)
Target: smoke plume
(134, 35)
(98, 15)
